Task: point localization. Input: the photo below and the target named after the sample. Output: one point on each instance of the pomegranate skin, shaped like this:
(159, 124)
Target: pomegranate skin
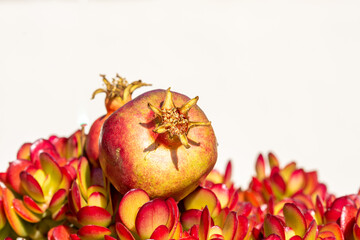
(133, 156)
(117, 93)
(92, 140)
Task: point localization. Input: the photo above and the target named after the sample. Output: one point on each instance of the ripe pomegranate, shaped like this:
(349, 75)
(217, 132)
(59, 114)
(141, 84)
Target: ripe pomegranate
(117, 94)
(152, 144)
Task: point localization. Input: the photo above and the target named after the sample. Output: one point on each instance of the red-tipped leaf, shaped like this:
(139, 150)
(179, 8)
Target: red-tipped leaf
(20, 227)
(24, 152)
(205, 224)
(24, 212)
(97, 199)
(190, 217)
(151, 215)
(58, 199)
(52, 171)
(333, 228)
(227, 175)
(294, 218)
(200, 198)
(93, 232)
(273, 161)
(13, 174)
(83, 175)
(122, 232)
(31, 186)
(59, 233)
(260, 167)
(174, 213)
(32, 205)
(230, 226)
(222, 193)
(312, 231)
(93, 215)
(129, 206)
(347, 220)
(272, 225)
(160, 233)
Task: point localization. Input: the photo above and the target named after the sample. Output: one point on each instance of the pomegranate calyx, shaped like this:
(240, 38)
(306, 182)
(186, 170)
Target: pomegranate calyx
(118, 92)
(175, 120)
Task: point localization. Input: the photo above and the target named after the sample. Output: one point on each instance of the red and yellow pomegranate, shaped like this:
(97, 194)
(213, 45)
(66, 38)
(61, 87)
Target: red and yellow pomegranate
(152, 144)
(117, 94)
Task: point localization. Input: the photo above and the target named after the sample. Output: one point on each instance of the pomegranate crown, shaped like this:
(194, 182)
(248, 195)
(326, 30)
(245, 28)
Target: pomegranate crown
(118, 92)
(175, 120)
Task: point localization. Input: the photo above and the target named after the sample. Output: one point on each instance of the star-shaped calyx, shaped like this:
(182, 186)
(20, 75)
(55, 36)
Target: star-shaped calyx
(175, 120)
(118, 92)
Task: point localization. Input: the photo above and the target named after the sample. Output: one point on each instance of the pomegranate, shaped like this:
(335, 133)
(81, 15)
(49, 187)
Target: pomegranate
(152, 144)
(117, 94)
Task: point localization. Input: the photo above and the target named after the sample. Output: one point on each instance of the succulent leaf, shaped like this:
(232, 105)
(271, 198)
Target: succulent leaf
(311, 182)
(32, 187)
(347, 220)
(200, 198)
(60, 232)
(278, 185)
(24, 212)
(294, 219)
(272, 225)
(76, 201)
(58, 199)
(177, 231)
(174, 214)
(97, 199)
(93, 215)
(233, 202)
(24, 152)
(219, 220)
(205, 224)
(227, 175)
(96, 188)
(60, 214)
(93, 232)
(260, 167)
(222, 193)
(3, 220)
(334, 229)
(253, 197)
(312, 231)
(160, 233)
(230, 226)
(304, 201)
(216, 233)
(190, 218)
(287, 171)
(129, 207)
(356, 232)
(296, 182)
(39, 146)
(151, 215)
(273, 161)
(20, 227)
(13, 174)
(122, 232)
(357, 218)
(53, 173)
(244, 228)
(326, 235)
(83, 176)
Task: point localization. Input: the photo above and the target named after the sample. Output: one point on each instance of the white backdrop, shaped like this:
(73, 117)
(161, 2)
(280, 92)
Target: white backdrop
(278, 76)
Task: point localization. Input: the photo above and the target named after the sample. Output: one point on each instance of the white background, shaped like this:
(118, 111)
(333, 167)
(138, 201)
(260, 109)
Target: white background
(278, 76)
